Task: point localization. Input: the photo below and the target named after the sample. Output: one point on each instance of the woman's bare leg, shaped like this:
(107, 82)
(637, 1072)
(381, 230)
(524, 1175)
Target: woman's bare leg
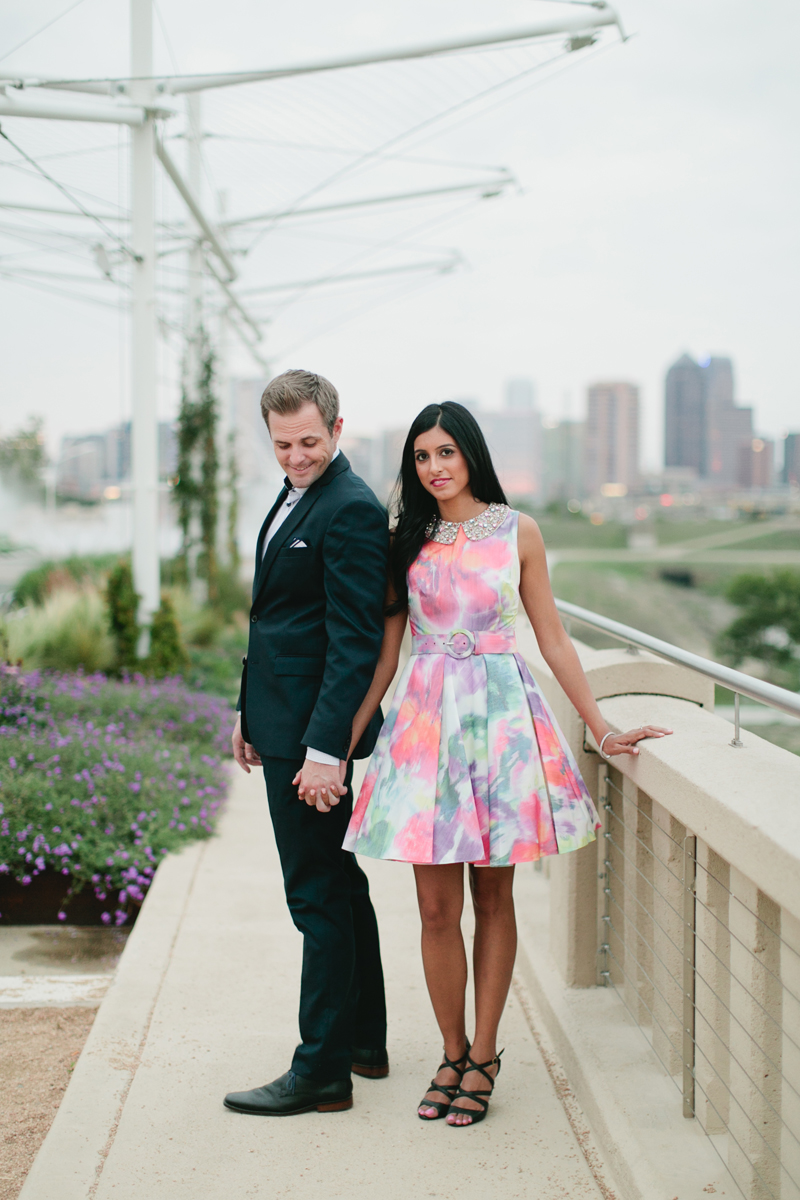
(493, 961)
(440, 892)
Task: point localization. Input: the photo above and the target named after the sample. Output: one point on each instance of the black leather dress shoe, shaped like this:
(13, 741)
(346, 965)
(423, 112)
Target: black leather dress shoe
(371, 1064)
(292, 1094)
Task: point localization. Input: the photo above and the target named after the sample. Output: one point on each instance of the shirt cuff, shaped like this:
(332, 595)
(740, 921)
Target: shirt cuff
(319, 756)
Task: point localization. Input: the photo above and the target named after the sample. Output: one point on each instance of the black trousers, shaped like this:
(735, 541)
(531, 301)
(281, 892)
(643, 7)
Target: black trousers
(342, 1001)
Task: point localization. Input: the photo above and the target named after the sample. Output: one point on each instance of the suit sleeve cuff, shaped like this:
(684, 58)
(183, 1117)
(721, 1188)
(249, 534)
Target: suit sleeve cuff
(319, 756)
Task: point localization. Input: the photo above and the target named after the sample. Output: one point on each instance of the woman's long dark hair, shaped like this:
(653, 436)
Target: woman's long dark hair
(414, 506)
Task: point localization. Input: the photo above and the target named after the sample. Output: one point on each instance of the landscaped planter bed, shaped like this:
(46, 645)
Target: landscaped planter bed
(99, 779)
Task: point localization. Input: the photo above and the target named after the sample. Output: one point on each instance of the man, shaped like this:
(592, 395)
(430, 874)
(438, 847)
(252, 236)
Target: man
(315, 637)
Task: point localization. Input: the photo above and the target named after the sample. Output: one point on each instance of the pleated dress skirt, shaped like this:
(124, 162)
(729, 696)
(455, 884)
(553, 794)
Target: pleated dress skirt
(470, 765)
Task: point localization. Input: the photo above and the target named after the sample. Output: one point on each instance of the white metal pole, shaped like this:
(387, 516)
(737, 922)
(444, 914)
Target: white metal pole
(224, 423)
(146, 572)
(194, 315)
(223, 384)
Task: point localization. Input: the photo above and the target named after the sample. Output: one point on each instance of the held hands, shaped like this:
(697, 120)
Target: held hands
(625, 743)
(321, 785)
(245, 755)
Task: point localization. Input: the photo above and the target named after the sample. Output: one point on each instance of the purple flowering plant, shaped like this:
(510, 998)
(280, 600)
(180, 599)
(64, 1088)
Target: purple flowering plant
(100, 778)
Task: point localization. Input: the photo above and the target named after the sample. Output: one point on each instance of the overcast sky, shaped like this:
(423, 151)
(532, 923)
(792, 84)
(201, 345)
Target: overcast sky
(657, 214)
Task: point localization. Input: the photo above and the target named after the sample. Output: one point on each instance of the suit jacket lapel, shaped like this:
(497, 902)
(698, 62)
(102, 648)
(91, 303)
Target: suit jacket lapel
(262, 534)
(303, 505)
(298, 512)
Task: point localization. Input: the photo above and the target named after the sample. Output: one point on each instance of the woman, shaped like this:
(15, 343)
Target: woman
(470, 766)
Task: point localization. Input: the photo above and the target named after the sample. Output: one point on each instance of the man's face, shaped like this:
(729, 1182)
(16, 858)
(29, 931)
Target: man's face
(302, 444)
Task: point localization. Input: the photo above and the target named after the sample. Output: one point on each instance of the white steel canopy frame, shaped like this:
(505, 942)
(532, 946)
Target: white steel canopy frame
(138, 102)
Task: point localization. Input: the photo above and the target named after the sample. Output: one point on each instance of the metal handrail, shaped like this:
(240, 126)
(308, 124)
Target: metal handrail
(735, 681)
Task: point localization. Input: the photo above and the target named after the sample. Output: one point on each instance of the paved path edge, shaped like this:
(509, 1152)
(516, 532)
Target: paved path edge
(71, 1159)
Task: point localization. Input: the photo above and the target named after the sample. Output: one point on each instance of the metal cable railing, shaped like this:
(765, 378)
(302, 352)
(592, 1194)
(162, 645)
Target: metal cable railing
(714, 1032)
(736, 681)
(768, 1190)
(705, 974)
(711, 913)
(698, 976)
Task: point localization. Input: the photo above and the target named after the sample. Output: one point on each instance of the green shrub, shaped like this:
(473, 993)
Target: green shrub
(167, 655)
(202, 642)
(233, 593)
(68, 631)
(122, 604)
(48, 577)
(22, 454)
(99, 779)
(768, 627)
(199, 625)
(218, 668)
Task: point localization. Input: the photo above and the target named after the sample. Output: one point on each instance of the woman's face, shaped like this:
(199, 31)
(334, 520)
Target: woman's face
(441, 467)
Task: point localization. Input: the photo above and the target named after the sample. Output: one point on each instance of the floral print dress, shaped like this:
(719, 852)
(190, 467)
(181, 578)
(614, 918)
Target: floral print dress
(470, 765)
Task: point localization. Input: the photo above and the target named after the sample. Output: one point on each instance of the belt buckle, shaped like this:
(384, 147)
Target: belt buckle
(464, 647)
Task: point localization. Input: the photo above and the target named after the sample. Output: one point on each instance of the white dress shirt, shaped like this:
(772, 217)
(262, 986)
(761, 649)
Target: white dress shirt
(295, 495)
(293, 498)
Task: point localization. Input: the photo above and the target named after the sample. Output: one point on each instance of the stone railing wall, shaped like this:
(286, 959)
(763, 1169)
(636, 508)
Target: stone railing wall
(688, 904)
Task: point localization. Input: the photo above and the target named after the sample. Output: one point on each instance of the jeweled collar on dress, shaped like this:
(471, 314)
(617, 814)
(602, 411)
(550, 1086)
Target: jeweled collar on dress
(446, 532)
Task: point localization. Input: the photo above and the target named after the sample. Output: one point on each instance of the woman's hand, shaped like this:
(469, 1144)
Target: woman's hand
(625, 743)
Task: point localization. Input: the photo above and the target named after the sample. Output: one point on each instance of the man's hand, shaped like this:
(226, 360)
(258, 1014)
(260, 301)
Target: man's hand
(320, 785)
(243, 752)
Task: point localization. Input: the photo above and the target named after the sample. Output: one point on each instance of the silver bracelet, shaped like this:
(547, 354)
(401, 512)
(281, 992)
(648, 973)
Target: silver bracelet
(607, 757)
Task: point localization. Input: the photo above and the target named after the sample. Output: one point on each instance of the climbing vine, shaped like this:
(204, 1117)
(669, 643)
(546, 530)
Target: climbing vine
(233, 505)
(196, 489)
(22, 454)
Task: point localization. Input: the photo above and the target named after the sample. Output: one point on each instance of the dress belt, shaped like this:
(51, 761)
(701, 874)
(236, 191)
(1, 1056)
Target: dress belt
(462, 643)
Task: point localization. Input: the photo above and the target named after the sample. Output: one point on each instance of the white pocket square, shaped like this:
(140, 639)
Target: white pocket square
(299, 545)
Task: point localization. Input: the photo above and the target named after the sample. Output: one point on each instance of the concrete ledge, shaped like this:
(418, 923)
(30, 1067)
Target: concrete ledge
(743, 802)
(71, 1159)
(632, 1106)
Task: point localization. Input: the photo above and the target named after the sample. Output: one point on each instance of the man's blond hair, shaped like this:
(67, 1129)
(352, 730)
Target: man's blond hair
(287, 393)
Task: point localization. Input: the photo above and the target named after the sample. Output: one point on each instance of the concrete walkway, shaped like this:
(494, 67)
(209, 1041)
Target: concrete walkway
(205, 1001)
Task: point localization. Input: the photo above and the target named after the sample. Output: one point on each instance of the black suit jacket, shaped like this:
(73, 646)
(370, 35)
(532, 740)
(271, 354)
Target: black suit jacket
(316, 624)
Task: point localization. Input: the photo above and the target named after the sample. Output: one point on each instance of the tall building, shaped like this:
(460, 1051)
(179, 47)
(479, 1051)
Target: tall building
(728, 428)
(563, 460)
(81, 472)
(255, 458)
(611, 447)
(756, 463)
(364, 456)
(388, 456)
(704, 428)
(684, 415)
(791, 459)
(520, 395)
(167, 450)
(118, 451)
(514, 437)
(90, 464)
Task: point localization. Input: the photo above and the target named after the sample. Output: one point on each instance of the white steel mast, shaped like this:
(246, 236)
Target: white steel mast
(146, 565)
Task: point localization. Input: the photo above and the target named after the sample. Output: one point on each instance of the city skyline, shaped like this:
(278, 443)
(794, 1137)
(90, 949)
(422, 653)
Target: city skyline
(710, 443)
(573, 406)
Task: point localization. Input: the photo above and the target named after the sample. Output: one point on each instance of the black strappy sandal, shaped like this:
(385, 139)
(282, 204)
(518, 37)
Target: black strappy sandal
(448, 1089)
(476, 1115)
